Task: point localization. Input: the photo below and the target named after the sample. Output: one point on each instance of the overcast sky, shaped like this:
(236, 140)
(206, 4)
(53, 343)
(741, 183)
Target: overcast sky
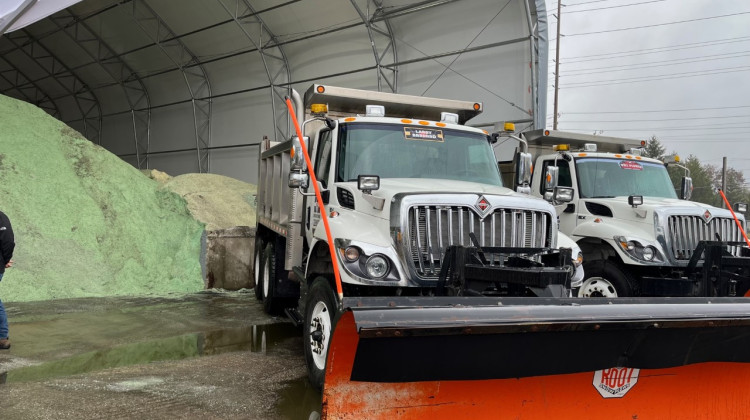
(676, 69)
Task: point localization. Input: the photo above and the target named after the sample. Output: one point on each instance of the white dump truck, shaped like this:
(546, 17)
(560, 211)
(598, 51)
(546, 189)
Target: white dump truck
(638, 237)
(403, 182)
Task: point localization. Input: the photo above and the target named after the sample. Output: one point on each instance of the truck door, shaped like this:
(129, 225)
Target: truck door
(321, 159)
(566, 212)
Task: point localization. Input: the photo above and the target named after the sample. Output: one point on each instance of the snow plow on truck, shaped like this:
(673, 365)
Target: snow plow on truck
(426, 289)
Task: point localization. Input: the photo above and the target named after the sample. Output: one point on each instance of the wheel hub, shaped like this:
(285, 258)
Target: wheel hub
(320, 330)
(597, 287)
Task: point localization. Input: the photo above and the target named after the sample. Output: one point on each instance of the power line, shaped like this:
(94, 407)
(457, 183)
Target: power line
(567, 12)
(660, 119)
(656, 110)
(661, 128)
(656, 77)
(657, 24)
(585, 2)
(654, 50)
(652, 64)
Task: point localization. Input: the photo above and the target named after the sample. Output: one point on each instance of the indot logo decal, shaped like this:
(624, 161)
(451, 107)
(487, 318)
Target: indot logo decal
(615, 382)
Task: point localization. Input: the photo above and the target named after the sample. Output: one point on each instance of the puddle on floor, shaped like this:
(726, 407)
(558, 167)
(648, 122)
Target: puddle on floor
(299, 401)
(255, 338)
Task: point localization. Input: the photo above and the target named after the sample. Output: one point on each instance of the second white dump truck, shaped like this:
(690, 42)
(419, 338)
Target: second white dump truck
(403, 180)
(638, 237)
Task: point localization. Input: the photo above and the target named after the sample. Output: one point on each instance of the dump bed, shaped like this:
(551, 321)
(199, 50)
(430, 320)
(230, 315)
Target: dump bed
(539, 140)
(348, 102)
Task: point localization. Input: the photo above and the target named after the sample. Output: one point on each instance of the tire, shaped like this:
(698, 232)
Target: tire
(258, 268)
(271, 303)
(605, 279)
(320, 318)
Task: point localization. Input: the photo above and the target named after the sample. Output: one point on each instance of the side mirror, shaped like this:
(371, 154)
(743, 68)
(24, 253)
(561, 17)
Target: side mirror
(740, 207)
(298, 180)
(686, 190)
(551, 178)
(562, 194)
(523, 168)
(297, 158)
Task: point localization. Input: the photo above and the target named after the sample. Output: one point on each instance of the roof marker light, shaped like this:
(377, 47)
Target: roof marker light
(375, 110)
(449, 117)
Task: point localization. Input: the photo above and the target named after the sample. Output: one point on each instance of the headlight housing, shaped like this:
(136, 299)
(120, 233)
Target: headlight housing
(639, 250)
(366, 261)
(377, 266)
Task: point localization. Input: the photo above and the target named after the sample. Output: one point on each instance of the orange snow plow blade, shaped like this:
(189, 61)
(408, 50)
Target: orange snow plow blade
(534, 358)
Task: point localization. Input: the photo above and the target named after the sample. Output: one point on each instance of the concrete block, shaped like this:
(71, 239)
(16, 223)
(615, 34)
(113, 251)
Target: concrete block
(229, 258)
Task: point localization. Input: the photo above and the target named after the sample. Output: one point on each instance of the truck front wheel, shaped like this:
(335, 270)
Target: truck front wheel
(320, 318)
(605, 279)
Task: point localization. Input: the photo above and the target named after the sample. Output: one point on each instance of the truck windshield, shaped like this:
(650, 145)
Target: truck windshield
(403, 151)
(599, 177)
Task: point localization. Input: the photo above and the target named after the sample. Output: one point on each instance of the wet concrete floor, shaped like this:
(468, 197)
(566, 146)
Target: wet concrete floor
(210, 355)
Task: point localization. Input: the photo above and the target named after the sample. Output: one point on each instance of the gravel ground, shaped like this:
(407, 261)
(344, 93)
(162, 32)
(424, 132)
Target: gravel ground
(207, 355)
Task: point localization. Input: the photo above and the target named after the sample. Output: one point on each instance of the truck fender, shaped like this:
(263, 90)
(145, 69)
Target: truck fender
(599, 239)
(318, 261)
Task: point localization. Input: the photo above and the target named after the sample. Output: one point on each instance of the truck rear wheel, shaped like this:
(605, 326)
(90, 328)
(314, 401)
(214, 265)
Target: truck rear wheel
(320, 318)
(258, 268)
(271, 303)
(605, 279)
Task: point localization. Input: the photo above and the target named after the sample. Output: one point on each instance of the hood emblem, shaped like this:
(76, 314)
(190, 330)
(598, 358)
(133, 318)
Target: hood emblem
(483, 206)
(707, 216)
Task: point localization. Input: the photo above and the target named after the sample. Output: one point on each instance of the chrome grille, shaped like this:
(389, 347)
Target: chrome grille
(686, 231)
(432, 229)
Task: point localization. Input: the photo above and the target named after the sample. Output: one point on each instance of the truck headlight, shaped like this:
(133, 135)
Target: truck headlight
(648, 253)
(639, 249)
(578, 259)
(377, 266)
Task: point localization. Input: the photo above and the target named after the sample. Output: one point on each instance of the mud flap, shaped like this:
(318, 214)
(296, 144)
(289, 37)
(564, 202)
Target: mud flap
(466, 357)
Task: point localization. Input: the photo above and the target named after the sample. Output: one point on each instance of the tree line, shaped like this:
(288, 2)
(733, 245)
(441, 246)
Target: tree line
(706, 177)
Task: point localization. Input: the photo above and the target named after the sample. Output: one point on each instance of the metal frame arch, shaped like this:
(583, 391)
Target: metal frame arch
(279, 76)
(28, 88)
(193, 72)
(86, 100)
(372, 29)
(132, 85)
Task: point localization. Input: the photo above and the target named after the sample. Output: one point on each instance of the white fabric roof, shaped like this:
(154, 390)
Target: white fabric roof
(194, 85)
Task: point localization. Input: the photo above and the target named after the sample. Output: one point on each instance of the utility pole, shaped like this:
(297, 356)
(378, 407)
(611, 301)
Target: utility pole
(557, 64)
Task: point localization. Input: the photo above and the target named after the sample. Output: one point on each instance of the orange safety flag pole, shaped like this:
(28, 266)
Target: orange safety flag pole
(735, 217)
(319, 199)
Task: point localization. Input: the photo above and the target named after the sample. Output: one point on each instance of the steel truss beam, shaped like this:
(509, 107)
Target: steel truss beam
(273, 56)
(379, 32)
(193, 72)
(132, 85)
(538, 114)
(27, 88)
(12, 16)
(86, 100)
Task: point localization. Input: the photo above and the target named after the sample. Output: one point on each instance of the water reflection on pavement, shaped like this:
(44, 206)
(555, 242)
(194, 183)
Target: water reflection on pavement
(211, 354)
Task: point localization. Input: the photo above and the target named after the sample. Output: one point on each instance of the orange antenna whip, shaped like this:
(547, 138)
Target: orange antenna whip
(735, 216)
(319, 199)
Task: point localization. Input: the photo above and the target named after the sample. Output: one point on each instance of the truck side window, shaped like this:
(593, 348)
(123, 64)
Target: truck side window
(564, 179)
(323, 158)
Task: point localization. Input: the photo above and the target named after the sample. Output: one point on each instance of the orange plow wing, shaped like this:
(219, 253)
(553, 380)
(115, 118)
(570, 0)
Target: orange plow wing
(631, 359)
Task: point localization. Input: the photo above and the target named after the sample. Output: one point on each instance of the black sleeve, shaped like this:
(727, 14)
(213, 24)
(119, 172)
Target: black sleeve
(7, 243)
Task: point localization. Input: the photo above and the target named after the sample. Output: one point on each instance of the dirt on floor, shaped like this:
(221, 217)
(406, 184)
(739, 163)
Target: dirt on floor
(211, 355)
